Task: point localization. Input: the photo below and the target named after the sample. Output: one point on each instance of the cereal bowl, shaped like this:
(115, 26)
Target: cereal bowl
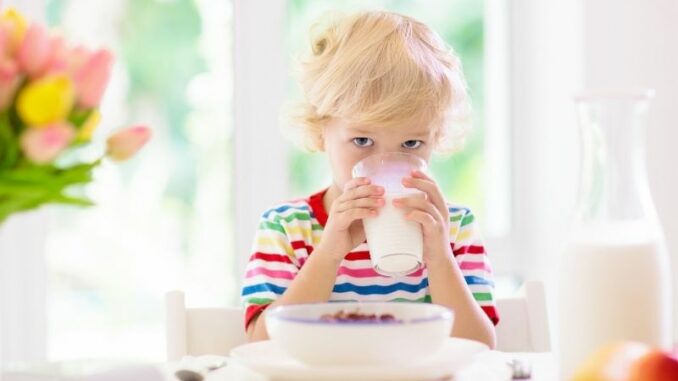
(368, 333)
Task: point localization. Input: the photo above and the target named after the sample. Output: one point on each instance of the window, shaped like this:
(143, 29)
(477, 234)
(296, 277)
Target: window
(163, 220)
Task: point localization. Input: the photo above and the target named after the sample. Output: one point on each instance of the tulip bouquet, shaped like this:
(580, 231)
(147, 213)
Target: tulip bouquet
(49, 98)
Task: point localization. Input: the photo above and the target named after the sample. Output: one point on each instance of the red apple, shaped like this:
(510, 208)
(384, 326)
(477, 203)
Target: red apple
(655, 365)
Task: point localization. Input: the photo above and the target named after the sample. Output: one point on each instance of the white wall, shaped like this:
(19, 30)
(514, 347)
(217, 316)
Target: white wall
(557, 49)
(546, 66)
(635, 43)
(546, 71)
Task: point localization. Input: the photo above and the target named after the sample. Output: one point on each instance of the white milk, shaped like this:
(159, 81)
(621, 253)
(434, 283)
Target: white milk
(396, 244)
(614, 285)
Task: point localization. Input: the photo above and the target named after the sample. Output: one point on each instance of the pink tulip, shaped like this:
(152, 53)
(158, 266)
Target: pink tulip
(42, 145)
(125, 143)
(92, 77)
(34, 51)
(3, 42)
(77, 56)
(9, 82)
(57, 62)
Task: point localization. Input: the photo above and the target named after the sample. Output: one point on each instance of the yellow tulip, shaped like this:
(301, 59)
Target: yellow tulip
(87, 128)
(46, 101)
(15, 24)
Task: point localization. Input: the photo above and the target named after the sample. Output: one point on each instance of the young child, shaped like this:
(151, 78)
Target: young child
(375, 82)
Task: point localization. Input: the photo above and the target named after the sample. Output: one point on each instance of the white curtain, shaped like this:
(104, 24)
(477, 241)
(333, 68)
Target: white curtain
(23, 288)
(23, 270)
(261, 166)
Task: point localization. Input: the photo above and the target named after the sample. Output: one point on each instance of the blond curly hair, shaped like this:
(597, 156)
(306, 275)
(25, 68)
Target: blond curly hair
(384, 69)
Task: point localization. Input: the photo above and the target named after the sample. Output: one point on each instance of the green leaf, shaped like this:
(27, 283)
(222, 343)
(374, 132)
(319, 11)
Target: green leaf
(20, 203)
(9, 145)
(72, 200)
(79, 116)
(31, 186)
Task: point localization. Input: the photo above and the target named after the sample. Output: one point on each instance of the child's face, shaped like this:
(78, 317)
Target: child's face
(346, 144)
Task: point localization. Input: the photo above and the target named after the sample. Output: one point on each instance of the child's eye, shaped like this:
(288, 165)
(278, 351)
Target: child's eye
(363, 142)
(412, 144)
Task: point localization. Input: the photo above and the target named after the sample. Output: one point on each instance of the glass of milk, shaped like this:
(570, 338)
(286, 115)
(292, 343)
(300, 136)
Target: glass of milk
(615, 282)
(396, 244)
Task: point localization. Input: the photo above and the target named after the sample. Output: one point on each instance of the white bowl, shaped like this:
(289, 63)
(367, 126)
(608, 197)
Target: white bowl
(418, 331)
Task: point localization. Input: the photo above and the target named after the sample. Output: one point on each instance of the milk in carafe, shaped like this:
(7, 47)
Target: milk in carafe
(614, 285)
(614, 278)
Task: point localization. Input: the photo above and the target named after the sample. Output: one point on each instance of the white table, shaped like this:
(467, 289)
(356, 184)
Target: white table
(485, 369)
(543, 366)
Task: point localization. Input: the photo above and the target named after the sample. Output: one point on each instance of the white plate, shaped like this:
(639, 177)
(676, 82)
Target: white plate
(268, 359)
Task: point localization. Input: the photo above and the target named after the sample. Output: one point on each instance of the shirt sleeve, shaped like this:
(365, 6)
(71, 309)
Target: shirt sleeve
(271, 268)
(473, 261)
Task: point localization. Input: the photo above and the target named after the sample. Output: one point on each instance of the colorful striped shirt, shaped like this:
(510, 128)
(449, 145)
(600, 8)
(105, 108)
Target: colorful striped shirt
(288, 233)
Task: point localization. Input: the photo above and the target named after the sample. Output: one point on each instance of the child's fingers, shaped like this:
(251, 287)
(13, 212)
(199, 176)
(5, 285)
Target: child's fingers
(356, 182)
(344, 219)
(421, 175)
(358, 213)
(430, 188)
(361, 191)
(421, 204)
(427, 221)
(365, 202)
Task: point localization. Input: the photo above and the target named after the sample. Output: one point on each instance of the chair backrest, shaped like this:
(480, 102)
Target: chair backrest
(523, 325)
(523, 320)
(201, 331)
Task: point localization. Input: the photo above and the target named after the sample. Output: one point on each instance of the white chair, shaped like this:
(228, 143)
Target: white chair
(201, 331)
(523, 320)
(523, 325)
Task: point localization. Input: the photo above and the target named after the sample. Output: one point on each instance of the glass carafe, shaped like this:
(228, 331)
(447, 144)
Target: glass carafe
(614, 272)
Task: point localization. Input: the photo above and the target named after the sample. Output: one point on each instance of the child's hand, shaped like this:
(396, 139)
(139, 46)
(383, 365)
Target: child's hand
(431, 212)
(344, 228)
